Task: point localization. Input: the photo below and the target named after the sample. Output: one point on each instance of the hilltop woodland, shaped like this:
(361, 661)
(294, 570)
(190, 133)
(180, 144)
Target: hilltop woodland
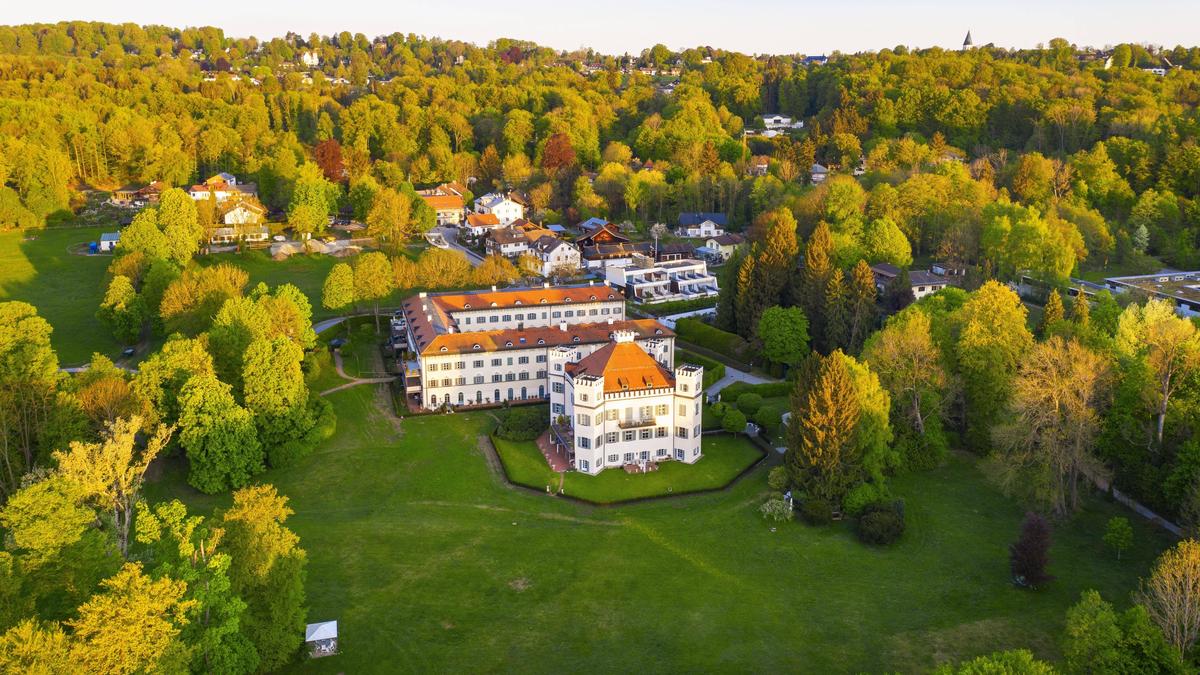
(1037, 164)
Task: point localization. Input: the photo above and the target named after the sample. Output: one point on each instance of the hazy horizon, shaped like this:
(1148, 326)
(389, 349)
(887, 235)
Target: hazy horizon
(759, 26)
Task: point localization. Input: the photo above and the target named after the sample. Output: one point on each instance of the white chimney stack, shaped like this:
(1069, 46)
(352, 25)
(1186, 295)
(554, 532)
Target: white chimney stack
(562, 326)
(493, 289)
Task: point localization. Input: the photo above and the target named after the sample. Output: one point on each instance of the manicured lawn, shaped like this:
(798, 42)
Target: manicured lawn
(724, 457)
(430, 563)
(67, 289)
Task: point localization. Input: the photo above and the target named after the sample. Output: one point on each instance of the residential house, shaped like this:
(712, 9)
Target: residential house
(624, 405)
(725, 245)
(647, 280)
(700, 225)
(816, 60)
(923, 282)
(601, 256)
(223, 187)
(556, 255)
(449, 208)
(502, 206)
(492, 346)
(678, 250)
(232, 234)
(819, 173)
(133, 195)
(509, 242)
(242, 212)
(479, 224)
(776, 122)
(759, 164)
(604, 234)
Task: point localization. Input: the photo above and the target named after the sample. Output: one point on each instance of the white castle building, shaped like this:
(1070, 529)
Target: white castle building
(624, 404)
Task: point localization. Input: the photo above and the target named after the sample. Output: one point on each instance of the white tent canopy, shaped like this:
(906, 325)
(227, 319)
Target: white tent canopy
(325, 630)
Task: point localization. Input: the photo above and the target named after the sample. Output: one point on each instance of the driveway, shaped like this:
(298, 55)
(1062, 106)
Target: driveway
(450, 234)
(734, 375)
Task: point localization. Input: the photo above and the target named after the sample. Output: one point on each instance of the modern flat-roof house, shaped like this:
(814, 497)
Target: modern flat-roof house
(504, 207)
(923, 282)
(1180, 288)
(624, 404)
(492, 346)
(777, 122)
(648, 281)
(702, 225)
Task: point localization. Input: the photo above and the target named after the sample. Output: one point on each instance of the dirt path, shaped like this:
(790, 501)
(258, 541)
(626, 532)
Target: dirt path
(353, 381)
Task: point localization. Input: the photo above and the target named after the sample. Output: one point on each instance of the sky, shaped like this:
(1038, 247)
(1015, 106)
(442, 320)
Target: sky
(619, 26)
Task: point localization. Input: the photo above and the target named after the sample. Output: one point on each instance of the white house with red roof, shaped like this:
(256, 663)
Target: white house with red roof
(623, 405)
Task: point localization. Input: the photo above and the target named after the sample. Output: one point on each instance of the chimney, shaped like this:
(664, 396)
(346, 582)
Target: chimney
(610, 321)
(562, 326)
(493, 289)
(545, 284)
(590, 282)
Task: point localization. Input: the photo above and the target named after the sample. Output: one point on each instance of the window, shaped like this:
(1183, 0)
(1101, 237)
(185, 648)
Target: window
(541, 374)
(509, 358)
(697, 407)
(660, 432)
(611, 437)
(467, 320)
(696, 431)
(557, 387)
(600, 442)
(496, 362)
(660, 409)
(681, 432)
(592, 313)
(522, 360)
(583, 442)
(556, 315)
(477, 364)
(569, 313)
(612, 415)
(509, 377)
(682, 409)
(541, 358)
(583, 397)
(460, 381)
(523, 375)
(604, 310)
(478, 379)
(629, 458)
(695, 451)
(507, 317)
(558, 367)
(645, 434)
(628, 436)
(646, 411)
(583, 420)
(557, 408)
(661, 452)
(460, 365)
(583, 465)
(683, 387)
(612, 459)
(494, 319)
(497, 377)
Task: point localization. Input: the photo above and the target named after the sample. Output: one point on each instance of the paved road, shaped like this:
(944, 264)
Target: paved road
(734, 375)
(450, 234)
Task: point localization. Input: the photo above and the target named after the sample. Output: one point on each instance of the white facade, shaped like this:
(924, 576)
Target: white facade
(781, 122)
(109, 241)
(705, 229)
(648, 281)
(606, 421)
(505, 209)
(557, 255)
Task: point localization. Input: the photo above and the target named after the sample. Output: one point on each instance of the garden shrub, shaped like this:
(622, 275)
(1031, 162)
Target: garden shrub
(776, 509)
(859, 497)
(734, 421)
(749, 403)
(816, 512)
(778, 479)
(770, 417)
(523, 424)
(881, 523)
(719, 409)
(710, 337)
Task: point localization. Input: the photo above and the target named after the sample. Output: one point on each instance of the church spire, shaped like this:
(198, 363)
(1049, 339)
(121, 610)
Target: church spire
(967, 42)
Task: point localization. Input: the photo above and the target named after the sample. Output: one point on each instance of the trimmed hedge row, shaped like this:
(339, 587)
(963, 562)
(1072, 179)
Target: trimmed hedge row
(710, 337)
(713, 369)
(678, 306)
(765, 390)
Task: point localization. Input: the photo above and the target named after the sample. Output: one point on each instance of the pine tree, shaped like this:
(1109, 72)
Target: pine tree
(837, 313)
(818, 267)
(747, 294)
(862, 303)
(821, 449)
(898, 293)
(1052, 314)
(1081, 310)
(1030, 554)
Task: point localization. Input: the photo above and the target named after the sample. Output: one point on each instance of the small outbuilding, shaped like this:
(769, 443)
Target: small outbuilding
(109, 241)
(321, 639)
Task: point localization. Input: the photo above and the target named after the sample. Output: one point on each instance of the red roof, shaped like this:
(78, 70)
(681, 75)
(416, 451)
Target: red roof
(624, 367)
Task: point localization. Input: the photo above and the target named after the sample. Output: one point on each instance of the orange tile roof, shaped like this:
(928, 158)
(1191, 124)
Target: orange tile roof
(624, 367)
(444, 202)
(516, 297)
(529, 338)
(483, 220)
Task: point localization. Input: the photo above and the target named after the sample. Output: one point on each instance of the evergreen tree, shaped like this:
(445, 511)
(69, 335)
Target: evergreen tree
(818, 268)
(837, 313)
(1081, 309)
(898, 293)
(1030, 554)
(862, 294)
(821, 457)
(1052, 314)
(749, 302)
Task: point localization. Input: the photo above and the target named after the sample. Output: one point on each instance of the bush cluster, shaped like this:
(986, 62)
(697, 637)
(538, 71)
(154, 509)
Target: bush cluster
(816, 512)
(881, 523)
(523, 424)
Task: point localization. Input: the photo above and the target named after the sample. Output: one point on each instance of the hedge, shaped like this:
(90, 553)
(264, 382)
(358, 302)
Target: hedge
(713, 369)
(678, 306)
(523, 424)
(710, 337)
(766, 390)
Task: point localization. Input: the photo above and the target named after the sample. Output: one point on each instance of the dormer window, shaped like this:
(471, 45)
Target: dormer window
(574, 339)
(444, 349)
(517, 302)
(466, 305)
(567, 300)
(658, 331)
(508, 344)
(592, 297)
(541, 341)
(542, 301)
(493, 304)
(476, 346)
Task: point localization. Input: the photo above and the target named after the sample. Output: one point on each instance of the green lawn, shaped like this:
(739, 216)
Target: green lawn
(430, 563)
(724, 457)
(36, 267)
